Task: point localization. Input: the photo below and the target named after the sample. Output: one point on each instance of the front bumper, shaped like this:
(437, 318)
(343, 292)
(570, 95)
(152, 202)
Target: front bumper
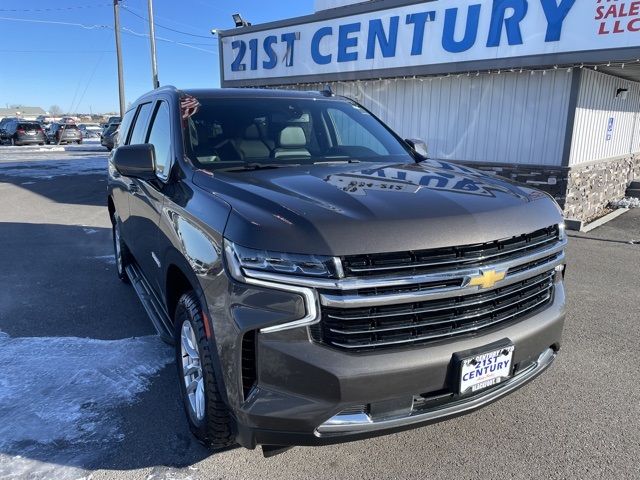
(306, 393)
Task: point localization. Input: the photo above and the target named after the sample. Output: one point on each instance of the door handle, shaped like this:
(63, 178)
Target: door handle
(133, 188)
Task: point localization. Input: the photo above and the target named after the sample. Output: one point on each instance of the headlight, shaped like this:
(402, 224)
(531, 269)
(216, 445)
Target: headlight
(286, 263)
(241, 258)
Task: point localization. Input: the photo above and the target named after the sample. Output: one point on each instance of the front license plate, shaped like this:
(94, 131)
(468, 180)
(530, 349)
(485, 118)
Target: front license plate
(485, 370)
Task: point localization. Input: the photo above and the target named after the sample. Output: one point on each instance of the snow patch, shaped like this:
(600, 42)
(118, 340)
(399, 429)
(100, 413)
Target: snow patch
(58, 397)
(628, 202)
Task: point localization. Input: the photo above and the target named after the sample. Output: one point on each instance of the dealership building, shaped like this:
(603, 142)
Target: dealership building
(546, 92)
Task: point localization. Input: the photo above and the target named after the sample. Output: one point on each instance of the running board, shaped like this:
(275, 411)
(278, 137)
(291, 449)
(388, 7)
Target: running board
(152, 306)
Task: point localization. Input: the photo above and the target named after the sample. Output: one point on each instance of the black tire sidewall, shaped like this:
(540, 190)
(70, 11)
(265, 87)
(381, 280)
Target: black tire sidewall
(124, 257)
(216, 428)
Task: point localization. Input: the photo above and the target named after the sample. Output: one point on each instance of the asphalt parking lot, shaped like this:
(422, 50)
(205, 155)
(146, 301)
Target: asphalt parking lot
(88, 391)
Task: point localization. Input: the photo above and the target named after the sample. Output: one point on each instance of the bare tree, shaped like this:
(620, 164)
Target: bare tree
(55, 110)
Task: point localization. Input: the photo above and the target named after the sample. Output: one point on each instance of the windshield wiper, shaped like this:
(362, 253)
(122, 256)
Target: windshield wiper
(350, 160)
(249, 167)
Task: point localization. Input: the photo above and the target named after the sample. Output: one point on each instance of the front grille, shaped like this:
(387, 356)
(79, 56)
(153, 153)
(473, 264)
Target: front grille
(435, 260)
(415, 323)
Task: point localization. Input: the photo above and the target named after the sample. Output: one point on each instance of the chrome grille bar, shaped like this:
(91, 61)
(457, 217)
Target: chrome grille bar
(483, 258)
(434, 336)
(355, 300)
(452, 319)
(417, 311)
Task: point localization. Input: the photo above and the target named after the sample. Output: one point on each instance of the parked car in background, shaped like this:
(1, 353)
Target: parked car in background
(5, 121)
(110, 122)
(109, 138)
(90, 130)
(64, 133)
(20, 132)
(321, 279)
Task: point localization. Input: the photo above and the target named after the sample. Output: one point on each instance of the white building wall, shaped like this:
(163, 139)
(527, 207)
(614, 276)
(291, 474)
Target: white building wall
(597, 104)
(507, 118)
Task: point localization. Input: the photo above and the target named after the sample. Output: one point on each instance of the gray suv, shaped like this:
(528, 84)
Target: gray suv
(321, 280)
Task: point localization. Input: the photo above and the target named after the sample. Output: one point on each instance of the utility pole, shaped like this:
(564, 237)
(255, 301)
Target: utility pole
(152, 39)
(116, 21)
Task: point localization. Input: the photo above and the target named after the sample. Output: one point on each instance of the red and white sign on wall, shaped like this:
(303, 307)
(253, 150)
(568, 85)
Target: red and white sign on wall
(618, 16)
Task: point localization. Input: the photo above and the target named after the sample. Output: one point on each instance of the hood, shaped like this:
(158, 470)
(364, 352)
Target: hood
(347, 209)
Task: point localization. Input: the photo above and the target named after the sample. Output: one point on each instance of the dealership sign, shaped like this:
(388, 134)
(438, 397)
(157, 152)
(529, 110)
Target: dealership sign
(436, 32)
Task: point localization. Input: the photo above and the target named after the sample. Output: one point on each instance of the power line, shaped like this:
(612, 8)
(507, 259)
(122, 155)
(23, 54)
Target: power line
(146, 35)
(165, 27)
(54, 9)
(52, 22)
(57, 51)
(106, 27)
(89, 81)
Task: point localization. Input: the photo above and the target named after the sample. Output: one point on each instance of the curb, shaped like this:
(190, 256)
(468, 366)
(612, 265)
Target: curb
(580, 226)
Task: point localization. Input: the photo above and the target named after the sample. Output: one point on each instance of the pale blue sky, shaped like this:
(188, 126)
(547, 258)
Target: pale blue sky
(75, 66)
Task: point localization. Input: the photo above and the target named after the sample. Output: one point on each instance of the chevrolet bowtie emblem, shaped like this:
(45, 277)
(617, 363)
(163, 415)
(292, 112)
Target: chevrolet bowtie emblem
(487, 279)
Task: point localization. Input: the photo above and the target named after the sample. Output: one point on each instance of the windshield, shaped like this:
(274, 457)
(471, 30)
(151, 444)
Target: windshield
(228, 132)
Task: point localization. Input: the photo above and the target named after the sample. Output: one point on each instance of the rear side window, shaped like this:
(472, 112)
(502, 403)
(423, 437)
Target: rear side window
(125, 125)
(140, 127)
(160, 138)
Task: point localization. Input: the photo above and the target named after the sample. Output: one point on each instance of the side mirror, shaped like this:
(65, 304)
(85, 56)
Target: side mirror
(418, 146)
(137, 161)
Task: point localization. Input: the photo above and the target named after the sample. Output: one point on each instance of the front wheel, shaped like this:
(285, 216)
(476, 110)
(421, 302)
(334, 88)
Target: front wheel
(208, 415)
(121, 253)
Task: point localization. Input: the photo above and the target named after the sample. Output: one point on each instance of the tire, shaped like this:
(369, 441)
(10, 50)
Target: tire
(121, 252)
(79, 142)
(209, 418)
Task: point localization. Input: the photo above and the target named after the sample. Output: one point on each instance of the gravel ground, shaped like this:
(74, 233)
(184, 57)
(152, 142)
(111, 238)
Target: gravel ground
(580, 420)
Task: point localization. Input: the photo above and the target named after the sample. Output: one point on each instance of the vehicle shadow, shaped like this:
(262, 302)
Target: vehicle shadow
(59, 180)
(98, 387)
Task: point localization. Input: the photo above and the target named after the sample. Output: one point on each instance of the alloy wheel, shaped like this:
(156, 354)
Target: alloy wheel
(192, 371)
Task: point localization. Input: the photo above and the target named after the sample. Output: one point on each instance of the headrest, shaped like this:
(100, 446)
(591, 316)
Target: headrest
(252, 132)
(293, 137)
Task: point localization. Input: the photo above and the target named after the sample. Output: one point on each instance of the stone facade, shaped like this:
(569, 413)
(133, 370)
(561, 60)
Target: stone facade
(592, 186)
(583, 191)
